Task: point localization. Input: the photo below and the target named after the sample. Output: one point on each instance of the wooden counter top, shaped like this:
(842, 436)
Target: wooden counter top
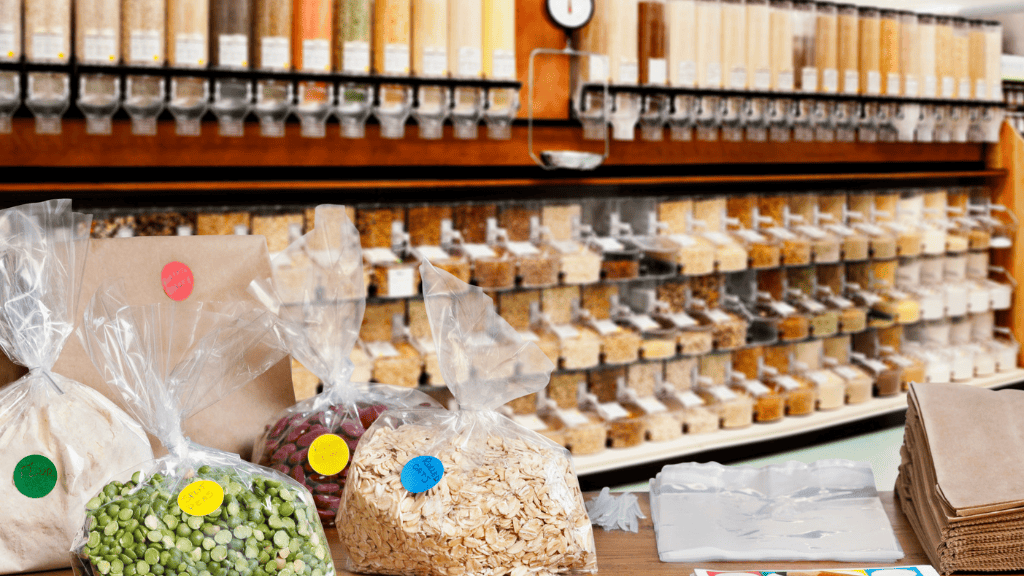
(627, 554)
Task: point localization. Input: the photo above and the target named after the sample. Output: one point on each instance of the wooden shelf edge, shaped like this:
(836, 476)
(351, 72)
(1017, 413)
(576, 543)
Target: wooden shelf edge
(648, 452)
(74, 148)
(647, 182)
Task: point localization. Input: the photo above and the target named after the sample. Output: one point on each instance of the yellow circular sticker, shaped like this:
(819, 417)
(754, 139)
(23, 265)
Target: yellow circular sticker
(328, 454)
(201, 497)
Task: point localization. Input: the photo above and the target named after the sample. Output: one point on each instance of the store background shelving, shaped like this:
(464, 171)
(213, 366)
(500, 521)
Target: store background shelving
(169, 170)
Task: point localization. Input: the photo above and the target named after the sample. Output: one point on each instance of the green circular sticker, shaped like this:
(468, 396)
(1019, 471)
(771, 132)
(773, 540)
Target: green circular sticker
(35, 476)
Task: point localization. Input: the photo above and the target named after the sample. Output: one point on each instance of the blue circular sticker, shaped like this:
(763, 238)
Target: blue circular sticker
(422, 473)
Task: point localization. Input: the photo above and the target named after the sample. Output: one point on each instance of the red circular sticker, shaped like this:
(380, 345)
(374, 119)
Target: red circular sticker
(177, 280)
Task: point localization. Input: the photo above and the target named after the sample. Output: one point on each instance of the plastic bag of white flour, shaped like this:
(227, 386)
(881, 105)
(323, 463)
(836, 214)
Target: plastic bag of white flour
(467, 492)
(59, 440)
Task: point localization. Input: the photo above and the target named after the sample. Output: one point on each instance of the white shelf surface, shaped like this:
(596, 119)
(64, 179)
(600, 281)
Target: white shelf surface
(618, 458)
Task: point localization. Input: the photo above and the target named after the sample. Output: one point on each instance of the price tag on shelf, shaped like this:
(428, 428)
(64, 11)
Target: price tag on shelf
(435, 61)
(477, 251)
(432, 253)
(401, 282)
(379, 256)
(381, 349)
(756, 388)
(830, 80)
(690, 399)
(656, 71)
(784, 81)
(721, 393)
(809, 79)
(7, 45)
(892, 84)
(847, 373)
(48, 46)
(964, 91)
(503, 65)
(597, 68)
(606, 327)
(316, 55)
(565, 331)
(629, 72)
(948, 86)
(396, 58)
(738, 79)
(355, 57)
(651, 405)
(874, 82)
(190, 50)
(762, 80)
(100, 47)
(470, 64)
(911, 87)
(573, 418)
(713, 75)
(930, 86)
(787, 382)
(611, 411)
(233, 50)
(609, 244)
(687, 74)
(274, 53)
(644, 322)
(979, 89)
(522, 249)
(851, 81)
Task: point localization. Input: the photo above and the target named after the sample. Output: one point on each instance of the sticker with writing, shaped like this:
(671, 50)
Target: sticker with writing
(328, 454)
(201, 497)
(177, 280)
(422, 473)
(35, 476)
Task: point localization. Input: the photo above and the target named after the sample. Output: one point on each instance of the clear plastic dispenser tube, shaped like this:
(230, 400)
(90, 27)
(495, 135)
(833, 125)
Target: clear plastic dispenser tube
(430, 60)
(98, 42)
(272, 51)
(47, 40)
(499, 63)
(312, 28)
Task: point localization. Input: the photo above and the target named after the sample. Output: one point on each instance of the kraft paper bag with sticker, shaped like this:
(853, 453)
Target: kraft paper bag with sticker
(216, 269)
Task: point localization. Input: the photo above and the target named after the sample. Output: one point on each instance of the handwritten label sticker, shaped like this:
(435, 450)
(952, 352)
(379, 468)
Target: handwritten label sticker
(201, 497)
(177, 280)
(35, 476)
(328, 454)
(422, 473)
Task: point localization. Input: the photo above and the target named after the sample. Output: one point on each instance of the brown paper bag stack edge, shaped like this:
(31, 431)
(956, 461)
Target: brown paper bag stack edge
(961, 479)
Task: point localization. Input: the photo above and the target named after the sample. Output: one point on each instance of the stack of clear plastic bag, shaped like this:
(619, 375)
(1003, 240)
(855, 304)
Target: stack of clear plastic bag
(319, 295)
(466, 492)
(59, 439)
(197, 511)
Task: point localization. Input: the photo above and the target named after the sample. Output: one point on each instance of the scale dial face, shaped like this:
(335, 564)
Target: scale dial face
(570, 14)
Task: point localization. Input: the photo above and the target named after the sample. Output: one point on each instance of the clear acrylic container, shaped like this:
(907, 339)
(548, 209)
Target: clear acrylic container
(733, 410)
(689, 409)
(769, 405)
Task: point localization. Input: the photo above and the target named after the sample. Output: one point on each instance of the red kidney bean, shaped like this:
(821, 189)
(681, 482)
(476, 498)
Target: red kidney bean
(280, 426)
(327, 516)
(306, 439)
(299, 474)
(328, 488)
(282, 469)
(283, 453)
(299, 456)
(294, 434)
(325, 501)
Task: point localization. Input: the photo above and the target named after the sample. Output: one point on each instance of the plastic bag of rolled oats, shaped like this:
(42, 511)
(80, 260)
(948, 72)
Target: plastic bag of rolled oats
(466, 492)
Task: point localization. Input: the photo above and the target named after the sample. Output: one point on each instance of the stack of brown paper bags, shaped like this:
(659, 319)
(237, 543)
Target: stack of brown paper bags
(961, 479)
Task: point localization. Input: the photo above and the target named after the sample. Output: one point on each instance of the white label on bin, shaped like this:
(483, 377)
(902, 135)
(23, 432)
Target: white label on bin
(683, 320)
(911, 87)
(787, 382)
(851, 81)
(628, 72)
(964, 90)
(756, 388)
(396, 58)
(840, 302)
(847, 373)
(531, 422)
(7, 46)
(432, 253)
(381, 349)
(48, 46)
(689, 399)
(609, 244)
(687, 74)
(750, 236)
(713, 75)
(144, 46)
(762, 80)
(400, 282)
(651, 405)
(830, 80)
(379, 255)
(522, 249)
(189, 50)
(892, 84)
(316, 55)
(503, 65)
(814, 307)
(274, 52)
(606, 327)
(979, 89)
(930, 85)
(656, 70)
(101, 46)
(470, 63)
(718, 317)
(784, 82)
(948, 86)
(874, 82)
(565, 332)
(435, 61)
(233, 50)
(355, 57)
(611, 411)
(722, 394)
(738, 78)
(644, 322)
(479, 251)
(783, 309)
(573, 418)
(598, 69)
(809, 79)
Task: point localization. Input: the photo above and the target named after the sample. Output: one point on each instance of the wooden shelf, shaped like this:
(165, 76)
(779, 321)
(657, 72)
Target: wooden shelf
(649, 452)
(75, 148)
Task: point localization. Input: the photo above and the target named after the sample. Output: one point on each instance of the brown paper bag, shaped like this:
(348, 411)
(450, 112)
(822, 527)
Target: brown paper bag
(222, 268)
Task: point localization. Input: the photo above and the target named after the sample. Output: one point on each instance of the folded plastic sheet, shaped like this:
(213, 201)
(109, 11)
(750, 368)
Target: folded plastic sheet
(828, 510)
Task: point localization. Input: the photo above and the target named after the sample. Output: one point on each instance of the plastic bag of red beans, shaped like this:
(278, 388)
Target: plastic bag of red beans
(318, 294)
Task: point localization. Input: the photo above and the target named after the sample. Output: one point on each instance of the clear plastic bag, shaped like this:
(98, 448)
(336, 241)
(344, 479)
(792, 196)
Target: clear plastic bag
(59, 439)
(827, 510)
(507, 500)
(319, 296)
(197, 510)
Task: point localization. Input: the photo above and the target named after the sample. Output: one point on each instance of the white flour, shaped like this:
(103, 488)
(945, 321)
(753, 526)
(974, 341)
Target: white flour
(87, 438)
